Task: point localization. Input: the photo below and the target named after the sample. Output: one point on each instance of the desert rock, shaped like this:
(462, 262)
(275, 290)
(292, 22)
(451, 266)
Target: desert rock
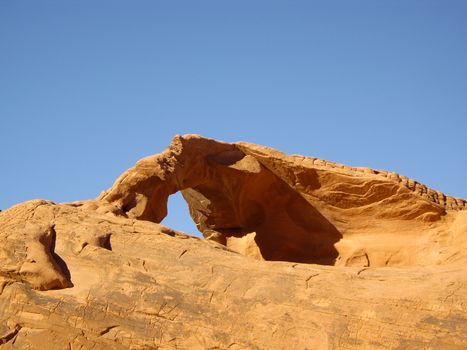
(300, 253)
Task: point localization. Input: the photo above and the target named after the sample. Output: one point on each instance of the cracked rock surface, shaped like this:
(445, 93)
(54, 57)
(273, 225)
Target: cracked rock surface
(300, 253)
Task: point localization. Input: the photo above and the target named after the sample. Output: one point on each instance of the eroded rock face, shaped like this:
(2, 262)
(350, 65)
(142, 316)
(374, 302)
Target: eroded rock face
(263, 203)
(385, 259)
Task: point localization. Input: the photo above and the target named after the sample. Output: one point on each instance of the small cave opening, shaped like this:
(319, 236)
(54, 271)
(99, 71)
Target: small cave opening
(178, 216)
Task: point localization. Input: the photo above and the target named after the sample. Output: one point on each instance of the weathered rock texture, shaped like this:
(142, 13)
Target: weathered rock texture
(262, 203)
(331, 257)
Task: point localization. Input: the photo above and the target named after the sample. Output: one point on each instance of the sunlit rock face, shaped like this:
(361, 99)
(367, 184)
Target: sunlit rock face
(300, 253)
(263, 203)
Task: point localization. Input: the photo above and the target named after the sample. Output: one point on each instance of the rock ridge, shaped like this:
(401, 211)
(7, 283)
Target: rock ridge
(438, 197)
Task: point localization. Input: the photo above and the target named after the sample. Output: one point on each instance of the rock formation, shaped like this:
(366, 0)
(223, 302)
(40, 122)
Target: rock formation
(300, 253)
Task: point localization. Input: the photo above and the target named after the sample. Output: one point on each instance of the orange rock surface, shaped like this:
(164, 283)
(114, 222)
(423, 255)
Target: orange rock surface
(300, 253)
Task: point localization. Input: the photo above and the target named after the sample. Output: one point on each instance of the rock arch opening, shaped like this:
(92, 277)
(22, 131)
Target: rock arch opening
(178, 216)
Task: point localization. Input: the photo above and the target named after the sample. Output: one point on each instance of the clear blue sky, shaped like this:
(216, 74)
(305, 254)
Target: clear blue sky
(89, 87)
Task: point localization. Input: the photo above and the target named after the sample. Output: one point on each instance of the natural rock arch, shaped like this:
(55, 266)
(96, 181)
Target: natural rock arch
(233, 200)
(262, 203)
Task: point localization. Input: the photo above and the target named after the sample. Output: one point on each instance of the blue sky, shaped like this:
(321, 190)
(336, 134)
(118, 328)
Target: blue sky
(89, 87)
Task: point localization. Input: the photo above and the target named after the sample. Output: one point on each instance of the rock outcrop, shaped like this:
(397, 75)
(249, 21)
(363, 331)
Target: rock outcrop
(300, 253)
(263, 203)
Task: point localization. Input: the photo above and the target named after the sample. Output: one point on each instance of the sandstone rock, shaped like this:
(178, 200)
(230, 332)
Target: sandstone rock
(298, 209)
(301, 254)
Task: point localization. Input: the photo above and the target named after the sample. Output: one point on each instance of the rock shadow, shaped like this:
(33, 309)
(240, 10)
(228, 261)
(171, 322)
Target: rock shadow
(287, 227)
(291, 229)
(296, 231)
(58, 260)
